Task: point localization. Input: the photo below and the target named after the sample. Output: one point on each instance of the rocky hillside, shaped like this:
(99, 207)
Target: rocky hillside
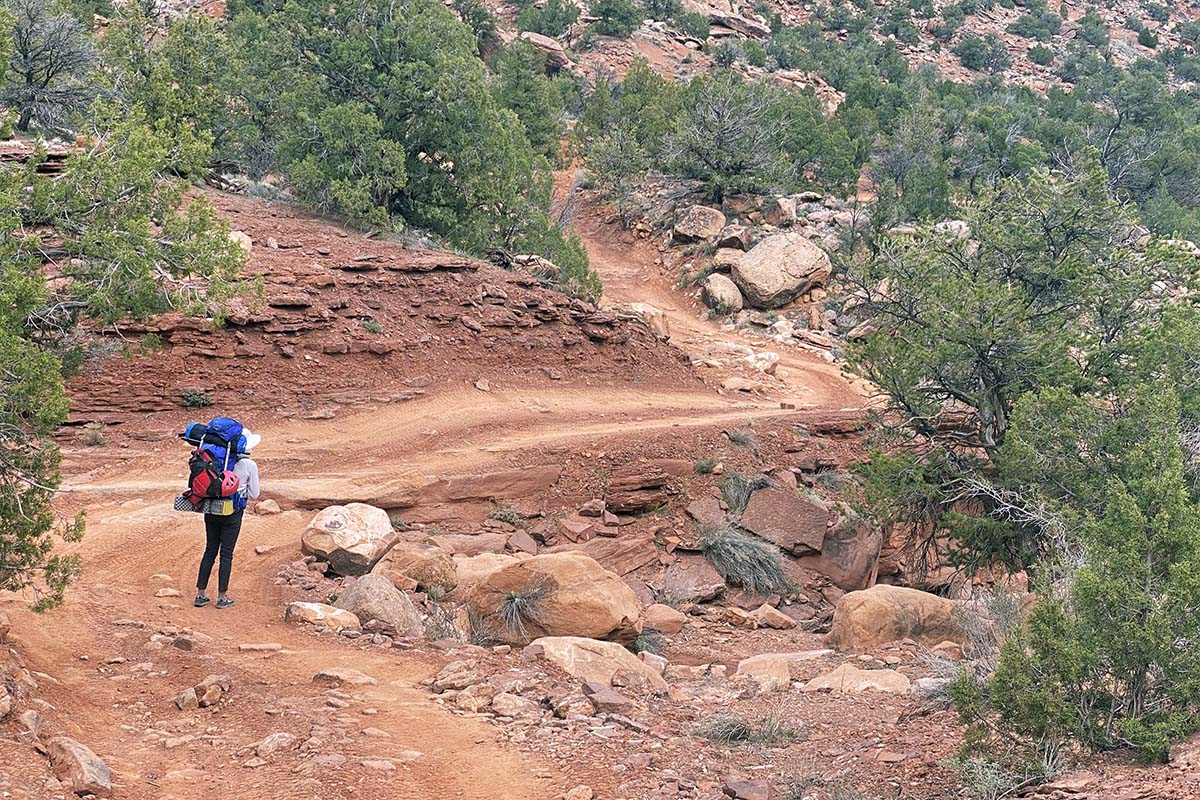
(926, 34)
(345, 320)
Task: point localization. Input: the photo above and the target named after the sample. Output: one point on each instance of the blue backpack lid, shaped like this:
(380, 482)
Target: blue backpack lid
(228, 429)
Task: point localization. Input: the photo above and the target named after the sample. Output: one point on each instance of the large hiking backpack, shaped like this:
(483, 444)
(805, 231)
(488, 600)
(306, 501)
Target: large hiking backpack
(212, 484)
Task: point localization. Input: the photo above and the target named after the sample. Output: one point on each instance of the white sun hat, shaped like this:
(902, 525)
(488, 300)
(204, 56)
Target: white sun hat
(252, 440)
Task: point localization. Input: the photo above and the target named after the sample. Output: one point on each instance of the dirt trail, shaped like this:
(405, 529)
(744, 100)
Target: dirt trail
(118, 700)
(626, 265)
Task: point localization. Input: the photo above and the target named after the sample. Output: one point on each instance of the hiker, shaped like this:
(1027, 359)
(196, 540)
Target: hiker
(221, 531)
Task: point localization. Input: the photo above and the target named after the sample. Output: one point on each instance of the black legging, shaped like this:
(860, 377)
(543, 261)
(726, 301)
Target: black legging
(221, 534)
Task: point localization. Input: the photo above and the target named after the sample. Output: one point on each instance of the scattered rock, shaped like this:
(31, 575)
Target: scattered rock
(721, 294)
(555, 55)
(78, 767)
(592, 660)
(884, 613)
(951, 651)
(664, 618)
(421, 563)
(267, 508)
(187, 699)
(167, 592)
(779, 211)
(771, 672)
(275, 743)
(697, 224)
(605, 700)
(746, 789)
(507, 704)
(351, 538)
(848, 679)
(767, 616)
(522, 542)
(343, 676)
(322, 616)
(210, 690)
(692, 579)
(735, 236)
(374, 597)
(637, 489)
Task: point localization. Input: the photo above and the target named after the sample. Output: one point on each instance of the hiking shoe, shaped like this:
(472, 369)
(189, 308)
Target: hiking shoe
(225, 602)
(201, 601)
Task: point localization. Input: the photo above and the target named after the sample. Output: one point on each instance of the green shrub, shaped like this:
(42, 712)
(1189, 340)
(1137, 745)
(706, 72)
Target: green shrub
(506, 512)
(744, 560)
(705, 466)
(371, 326)
(1041, 55)
(729, 728)
(196, 399)
(742, 437)
(650, 640)
(736, 488)
(616, 17)
(725, 728)
(519, 607)
(692, 24)
(553, 19)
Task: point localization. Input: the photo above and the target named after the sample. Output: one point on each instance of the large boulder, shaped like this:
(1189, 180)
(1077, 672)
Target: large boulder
(734, 236)
(78, 768)
(779, 269)
(555, 55)
(557, 594)
(418, 565)
(884, 613)
(321, 615)
(352, 538)
(598, 662)
(698, 224)
(473, 570)
(782, 516)
(721, 294)
(374, 597)
(849, 556)
(465, 544)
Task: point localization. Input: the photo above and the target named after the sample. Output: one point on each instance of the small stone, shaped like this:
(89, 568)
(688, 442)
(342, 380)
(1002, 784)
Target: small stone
(341, 675)
(267, 508)
(187, 699)
(167, 591)
(275, 743)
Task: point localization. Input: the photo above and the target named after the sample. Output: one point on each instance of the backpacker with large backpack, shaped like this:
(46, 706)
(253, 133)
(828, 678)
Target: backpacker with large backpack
(213, 488)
